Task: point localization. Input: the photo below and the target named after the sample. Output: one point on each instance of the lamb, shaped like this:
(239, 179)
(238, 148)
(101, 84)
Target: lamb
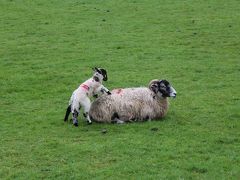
(80, 97)
(133, 104)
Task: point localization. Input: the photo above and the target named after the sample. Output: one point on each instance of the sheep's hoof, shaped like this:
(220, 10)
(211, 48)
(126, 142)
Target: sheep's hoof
(75, 122)
(120, 121)
(89, 122)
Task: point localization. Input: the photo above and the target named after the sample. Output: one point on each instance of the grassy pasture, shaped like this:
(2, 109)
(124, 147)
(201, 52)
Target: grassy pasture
(48, 47)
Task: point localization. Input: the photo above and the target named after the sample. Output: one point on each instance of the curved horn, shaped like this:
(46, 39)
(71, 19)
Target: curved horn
(153, 85)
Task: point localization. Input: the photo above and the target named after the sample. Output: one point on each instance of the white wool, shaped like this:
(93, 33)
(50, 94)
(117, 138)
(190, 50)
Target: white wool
(130, 104)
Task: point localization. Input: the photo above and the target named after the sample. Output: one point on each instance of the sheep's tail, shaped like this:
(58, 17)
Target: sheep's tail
(67, 113)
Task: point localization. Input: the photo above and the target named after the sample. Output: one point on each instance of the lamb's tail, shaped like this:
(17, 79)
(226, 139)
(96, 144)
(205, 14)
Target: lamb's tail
(67, 113)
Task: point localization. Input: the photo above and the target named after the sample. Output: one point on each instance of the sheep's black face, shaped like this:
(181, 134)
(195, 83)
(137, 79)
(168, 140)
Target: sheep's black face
(102, 72)
(165, 89)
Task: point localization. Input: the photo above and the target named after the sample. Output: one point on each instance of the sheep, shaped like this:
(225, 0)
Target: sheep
(133, 104)
(80, 97)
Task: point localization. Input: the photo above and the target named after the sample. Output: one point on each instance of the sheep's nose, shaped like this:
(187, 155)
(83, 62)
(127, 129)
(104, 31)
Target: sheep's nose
(174, 95)
(173, 92)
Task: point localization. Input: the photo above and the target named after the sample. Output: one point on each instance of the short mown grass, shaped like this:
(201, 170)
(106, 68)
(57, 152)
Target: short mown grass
(47, 48)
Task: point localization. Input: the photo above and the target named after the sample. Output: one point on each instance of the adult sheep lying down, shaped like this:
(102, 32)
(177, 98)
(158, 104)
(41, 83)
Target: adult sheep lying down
(133, 104)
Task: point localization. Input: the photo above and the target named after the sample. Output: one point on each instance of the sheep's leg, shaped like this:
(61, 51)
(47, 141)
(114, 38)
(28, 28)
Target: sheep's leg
(119, 121)
(86, 107)
(115, 119)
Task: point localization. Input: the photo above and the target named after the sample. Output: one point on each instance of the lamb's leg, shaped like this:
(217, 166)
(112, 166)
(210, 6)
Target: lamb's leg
(67, 113)
(86, 115)
(75, 111)
(86, 107)
(69, 108)
(75, 115)
(103, 90)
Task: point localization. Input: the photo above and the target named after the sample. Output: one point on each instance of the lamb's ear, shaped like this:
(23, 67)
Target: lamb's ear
(105, 78)
(104, 73)
(95, 69)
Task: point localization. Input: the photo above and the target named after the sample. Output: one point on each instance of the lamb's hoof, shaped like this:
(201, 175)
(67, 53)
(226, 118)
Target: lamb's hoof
(89, 122)
(75, 123)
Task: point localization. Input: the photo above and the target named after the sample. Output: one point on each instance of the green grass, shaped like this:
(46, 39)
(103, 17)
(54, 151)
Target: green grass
(48, 47)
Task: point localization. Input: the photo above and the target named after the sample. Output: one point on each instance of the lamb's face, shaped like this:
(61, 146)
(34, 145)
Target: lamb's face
(100, 74)
(162, 88)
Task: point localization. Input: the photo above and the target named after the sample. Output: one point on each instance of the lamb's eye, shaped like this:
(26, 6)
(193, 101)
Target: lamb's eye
(96, 78)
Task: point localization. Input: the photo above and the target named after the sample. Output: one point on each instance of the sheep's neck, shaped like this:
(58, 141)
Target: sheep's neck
(164, 106)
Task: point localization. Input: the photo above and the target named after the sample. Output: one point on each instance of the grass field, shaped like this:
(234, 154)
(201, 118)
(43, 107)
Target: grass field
(48, 47)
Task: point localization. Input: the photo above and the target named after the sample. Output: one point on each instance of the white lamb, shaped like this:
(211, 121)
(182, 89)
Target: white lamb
(81, 96)
(133, 104)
